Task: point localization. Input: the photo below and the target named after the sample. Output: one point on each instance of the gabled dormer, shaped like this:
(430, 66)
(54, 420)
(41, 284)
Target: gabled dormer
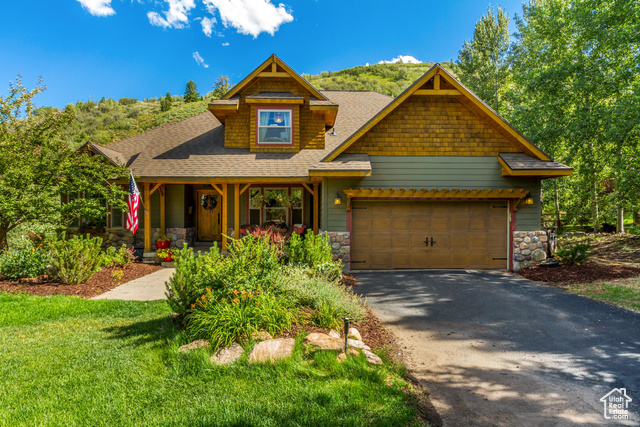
(274, 109)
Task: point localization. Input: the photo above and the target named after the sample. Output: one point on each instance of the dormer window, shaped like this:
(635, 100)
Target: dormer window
(275, 126)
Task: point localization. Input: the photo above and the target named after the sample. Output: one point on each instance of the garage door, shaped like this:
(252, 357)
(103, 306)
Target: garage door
(422, 234)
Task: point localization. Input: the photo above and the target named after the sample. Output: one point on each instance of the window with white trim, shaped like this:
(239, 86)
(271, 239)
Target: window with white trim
(274, 126)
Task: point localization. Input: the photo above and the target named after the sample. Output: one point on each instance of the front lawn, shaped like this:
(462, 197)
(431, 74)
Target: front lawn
(623, 293)
(68, 361)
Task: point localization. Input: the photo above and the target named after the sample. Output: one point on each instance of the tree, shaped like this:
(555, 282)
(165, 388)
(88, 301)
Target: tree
(575, 67)
(220, 87)
(483, 63)
(191, 92)
(38, 167)
(166, 103)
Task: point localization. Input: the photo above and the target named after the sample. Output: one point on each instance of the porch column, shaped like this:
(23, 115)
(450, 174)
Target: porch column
(147, 217)
(236, 212)
(163, 222)
(225, 215)
(316, 204)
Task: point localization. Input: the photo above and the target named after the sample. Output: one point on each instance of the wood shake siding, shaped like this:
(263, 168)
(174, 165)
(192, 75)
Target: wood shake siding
(309, 129)
(432, 126)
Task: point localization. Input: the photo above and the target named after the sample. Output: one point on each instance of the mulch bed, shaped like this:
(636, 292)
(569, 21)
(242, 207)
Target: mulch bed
(348, 280)
(99, 283)
(585, 273)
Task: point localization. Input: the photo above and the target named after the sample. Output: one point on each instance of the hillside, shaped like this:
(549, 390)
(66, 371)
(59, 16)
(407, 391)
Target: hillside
(109, 120)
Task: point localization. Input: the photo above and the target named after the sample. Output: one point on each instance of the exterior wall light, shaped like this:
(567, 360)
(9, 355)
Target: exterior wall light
(528, 200)
(337, 200)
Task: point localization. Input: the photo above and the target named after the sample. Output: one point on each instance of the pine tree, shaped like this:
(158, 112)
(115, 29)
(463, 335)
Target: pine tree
(222, 86)
(166, 103)
(191, 92)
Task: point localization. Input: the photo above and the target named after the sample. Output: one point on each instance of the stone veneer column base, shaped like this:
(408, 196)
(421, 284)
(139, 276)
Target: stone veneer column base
(341, 247)
(529, 248)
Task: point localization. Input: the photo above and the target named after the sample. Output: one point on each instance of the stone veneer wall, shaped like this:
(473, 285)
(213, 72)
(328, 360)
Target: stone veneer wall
(529, 247)
(341, 246)
(118, 236)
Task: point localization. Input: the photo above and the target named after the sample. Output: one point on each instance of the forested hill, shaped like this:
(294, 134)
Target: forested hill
(109, 120)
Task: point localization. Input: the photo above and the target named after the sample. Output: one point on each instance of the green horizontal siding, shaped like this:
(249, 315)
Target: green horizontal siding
(432, 173)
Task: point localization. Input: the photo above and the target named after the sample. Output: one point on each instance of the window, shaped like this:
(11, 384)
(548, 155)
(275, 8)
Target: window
(117, 217)
(255, 206)
(275, 209)
(274, 126)
(296, 206)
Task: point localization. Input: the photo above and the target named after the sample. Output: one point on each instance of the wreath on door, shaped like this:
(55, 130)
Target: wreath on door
(209, 202)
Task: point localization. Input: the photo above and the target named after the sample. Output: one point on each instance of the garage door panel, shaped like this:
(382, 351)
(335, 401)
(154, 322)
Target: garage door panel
(392, 234)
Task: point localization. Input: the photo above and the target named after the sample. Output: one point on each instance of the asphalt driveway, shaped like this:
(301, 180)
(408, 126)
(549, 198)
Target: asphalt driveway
(495, 349)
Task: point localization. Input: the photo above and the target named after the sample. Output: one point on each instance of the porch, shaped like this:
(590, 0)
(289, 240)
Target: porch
(207, 213)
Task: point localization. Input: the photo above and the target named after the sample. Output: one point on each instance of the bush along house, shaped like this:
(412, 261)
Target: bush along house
(431, 179)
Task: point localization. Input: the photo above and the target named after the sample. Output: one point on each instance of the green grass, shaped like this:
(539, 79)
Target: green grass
(623, 293)
(68, 361)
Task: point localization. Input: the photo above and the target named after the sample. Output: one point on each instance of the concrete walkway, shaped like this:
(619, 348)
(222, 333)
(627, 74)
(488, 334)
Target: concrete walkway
(146, 288)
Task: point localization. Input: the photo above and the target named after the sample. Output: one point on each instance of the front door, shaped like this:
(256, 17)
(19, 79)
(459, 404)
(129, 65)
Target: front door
(208, 215)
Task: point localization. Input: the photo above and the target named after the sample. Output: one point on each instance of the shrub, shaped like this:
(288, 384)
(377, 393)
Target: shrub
(312, 251)
(26, 262)
(75, 260)
(184, 287)
(112, 257)
(320, 294)
(572, 252)
(237, 316)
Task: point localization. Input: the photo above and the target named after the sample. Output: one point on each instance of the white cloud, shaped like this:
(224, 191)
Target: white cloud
(207, 25)
(407, 59)
(98, 7)
(225, 44)
(176, 16)
(250, 16)
(200, 60)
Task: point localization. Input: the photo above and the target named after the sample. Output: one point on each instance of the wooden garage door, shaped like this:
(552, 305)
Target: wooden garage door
(394, 234)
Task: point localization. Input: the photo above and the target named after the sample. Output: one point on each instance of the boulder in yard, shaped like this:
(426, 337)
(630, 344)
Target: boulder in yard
(334, 334)
(372, 358)
(272, 350)
(227, 355)
(320, 341)
(353, 333)
(358, 344)
(193, 345)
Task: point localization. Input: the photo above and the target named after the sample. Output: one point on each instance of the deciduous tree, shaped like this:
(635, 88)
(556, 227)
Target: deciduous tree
(38, 167)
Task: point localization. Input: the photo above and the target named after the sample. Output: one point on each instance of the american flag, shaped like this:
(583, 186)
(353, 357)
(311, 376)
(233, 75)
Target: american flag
(132, 202)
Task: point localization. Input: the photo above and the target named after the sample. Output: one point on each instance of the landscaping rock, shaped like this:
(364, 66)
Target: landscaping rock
(353, 333)
(342, 356)
(574, 234)
(372, 358)
(193, 345)
(334, 334)
(322, 341)
(272, 350)
(227, 355)
(358, 344)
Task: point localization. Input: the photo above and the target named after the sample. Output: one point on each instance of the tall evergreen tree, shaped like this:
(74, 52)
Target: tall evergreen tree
(166, 103)
(483, 63)
(191, 92)
(221, 86)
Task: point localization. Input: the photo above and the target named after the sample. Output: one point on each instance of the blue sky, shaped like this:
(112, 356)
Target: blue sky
(138, 48)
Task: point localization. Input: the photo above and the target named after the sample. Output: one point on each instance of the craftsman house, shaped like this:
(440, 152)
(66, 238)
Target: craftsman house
(431, 179)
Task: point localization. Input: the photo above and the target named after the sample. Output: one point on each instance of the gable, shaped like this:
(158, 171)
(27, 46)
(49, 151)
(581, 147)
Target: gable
(273, 68)
(437, 83)
(432, 126)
